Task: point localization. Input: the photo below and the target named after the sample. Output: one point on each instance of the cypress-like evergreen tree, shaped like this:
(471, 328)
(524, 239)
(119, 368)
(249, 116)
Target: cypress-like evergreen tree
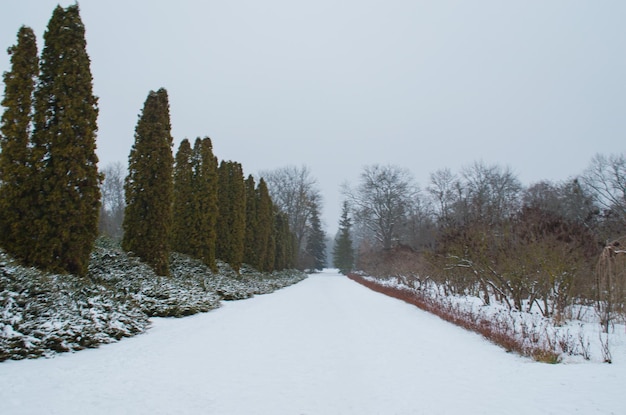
(265, 237)
(316, 240)
(343, 254)
(205, 187)
(285, 242)
(149, 185)
(251, 256)
(184, 209)
(232, 214)
(64, 161)
(16, 186)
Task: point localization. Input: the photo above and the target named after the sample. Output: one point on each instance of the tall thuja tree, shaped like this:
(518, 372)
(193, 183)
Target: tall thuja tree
(265, 239)
(343, 254)
(316, 241)
(15, 128)
(183, 211)
(232, 214)
(251, 256)
(149, 185)
(205, 186)
(65, 169)
(285, 253)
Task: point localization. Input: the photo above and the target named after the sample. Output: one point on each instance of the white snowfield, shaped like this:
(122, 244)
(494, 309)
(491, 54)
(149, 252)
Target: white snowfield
(324, 346)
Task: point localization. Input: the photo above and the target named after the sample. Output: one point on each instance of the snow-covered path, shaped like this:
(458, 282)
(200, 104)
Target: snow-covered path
(324, 346)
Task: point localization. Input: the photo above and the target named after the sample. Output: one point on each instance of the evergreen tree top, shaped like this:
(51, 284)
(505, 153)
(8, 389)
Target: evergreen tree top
(65, 29)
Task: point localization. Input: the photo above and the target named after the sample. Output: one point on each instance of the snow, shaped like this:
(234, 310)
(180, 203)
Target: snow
(323, 346)
(574, 338)
(42, 314)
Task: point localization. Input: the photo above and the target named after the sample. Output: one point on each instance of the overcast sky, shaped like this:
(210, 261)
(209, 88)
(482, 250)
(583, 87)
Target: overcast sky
(536, 85)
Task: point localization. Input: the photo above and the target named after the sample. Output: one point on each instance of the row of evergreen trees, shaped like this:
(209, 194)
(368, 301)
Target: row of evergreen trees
(50, 185)
(49, 192)
(190, 205)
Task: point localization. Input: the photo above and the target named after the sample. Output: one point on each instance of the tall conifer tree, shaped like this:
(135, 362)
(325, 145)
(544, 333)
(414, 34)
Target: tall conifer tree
(205, 186)
(265, 238)
(64, 143)
(16, 185)
(285, 252)
(149, 185)
(316, 240)
(232, 214)
(343, 254)
(251, 254)
(184, 209)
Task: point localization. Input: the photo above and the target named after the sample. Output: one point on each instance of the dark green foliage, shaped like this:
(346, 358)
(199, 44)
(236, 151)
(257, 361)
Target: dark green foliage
(205, 182)
(316, 241)
(195, 201)
(149, 185)
(285, 243)
(64, 162)
(343, 254)
(15, 173)
(260, 243)
(231, 223)
(250, 245)
(265, 238)
(49, 313)
(184, 208)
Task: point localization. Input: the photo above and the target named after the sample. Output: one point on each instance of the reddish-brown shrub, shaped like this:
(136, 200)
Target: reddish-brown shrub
(495, 331)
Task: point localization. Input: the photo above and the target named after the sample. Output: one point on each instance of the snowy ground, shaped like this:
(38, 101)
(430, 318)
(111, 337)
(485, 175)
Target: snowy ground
(324, 346)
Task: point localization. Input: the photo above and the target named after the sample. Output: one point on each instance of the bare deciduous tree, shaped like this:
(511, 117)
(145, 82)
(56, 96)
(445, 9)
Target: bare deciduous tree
(443, 190)
(382, 201)
(113, 203)
(606, 180)
(491, 193)
(294, 191)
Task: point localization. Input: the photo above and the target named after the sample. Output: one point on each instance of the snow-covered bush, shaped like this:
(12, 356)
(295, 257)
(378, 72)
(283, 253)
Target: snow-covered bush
(45, 313)
(42, 314)
(527, 333)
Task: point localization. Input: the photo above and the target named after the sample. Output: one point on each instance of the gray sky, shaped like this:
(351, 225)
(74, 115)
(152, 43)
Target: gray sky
(537, 85)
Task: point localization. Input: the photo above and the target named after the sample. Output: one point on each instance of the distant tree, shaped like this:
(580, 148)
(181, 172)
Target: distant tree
(382, 201)
(113, 203)
(567, 200)
(605, 181)
(149, 185)
(232, 214)
(294, 192)
(64, 160)
(184, 209)
(343, 253)
(443, 190)
(16, 175)
(606, 177)
(316, 242)
(205, 188)
(488, 194)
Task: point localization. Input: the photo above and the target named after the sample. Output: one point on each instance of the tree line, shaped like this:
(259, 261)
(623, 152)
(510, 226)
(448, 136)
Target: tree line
(481, 232)
(54, 202)
(191, 204)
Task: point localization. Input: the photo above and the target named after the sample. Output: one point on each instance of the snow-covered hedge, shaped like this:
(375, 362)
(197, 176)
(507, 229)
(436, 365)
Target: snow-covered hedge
(576, 339)
(42, 314)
